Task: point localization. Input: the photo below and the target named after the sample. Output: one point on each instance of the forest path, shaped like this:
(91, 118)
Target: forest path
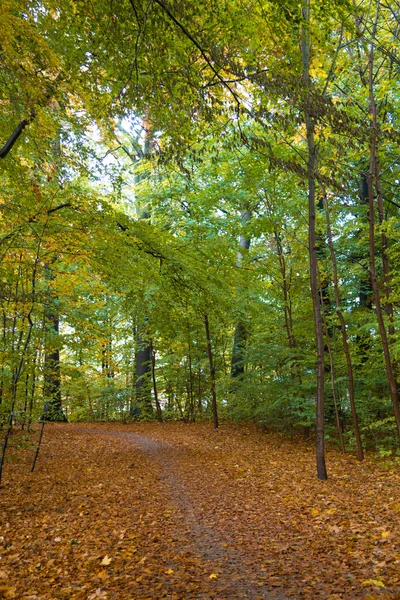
(150, 511)
(237, 573)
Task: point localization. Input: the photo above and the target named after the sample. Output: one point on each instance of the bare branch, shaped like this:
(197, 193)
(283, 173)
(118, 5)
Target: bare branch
(14, 137)
(201, 49)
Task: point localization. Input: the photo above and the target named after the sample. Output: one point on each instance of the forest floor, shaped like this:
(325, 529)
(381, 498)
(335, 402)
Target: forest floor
(184, 512)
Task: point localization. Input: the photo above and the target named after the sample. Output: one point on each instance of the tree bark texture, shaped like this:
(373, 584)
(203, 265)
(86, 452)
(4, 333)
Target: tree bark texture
(312, 246)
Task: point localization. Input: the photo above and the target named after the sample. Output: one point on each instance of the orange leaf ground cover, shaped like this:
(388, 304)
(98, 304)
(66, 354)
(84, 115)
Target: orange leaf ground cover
(182, 511)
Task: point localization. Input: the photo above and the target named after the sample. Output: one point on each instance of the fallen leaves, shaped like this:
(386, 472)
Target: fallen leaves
(373, 582)
(97, 594)
(243, 517)
(7, 591)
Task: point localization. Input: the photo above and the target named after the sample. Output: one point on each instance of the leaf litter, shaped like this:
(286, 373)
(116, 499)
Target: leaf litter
(182, 511)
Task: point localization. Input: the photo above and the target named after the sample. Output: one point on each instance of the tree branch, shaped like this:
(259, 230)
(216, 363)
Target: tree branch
(144, 246)
(59, 207)
(199, 47)
(19, 129)
(14, 137)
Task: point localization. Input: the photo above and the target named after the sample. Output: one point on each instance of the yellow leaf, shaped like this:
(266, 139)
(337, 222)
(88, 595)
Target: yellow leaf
(213, 576)
(385, 534)
(169, 571)
(314, 512)
(106, 561)
(102, 575)
(375, 582)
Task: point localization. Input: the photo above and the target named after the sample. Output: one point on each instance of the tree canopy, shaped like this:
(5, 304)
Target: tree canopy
(175, 178)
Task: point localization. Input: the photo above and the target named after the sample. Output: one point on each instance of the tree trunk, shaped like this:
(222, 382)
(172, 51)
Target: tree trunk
(312, 245)
(239, 343)
(365, 291)
(153, 375)
(199, 390)
(143, 354)
(143, 369)
(51, 374)
(346, 350)
(52, 378)
(373, 170)
(191, 411)
(16, 377)
(212, 372)
(332, 372)
(288, 310)
(32, 390)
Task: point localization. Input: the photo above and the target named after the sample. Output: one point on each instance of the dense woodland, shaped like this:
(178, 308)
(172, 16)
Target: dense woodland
(200, 215)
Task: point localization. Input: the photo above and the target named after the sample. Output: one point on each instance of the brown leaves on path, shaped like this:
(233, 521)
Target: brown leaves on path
(182, 511)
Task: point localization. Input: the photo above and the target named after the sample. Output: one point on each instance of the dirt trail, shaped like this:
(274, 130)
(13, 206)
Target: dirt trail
(179, 512)
(237, 575)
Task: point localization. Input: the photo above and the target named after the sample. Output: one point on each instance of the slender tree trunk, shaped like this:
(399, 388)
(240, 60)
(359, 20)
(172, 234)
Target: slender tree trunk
(143, 354)
(385, 257)
(199, 390)
(170, 395)
(1, 384)
(90, 403)
(378, 307)
(373, 169)
(332, 372)
(26, 396)
(32, 391)
(153, 375)
(381, 214)
(239, 343)
(4, 346)
(52, 376)
(312, 245)
(346, 349)
(212, 372)
(287, 310)
(15, 380)
(179, 405)
(365, 291)
(143, 361)
(39, 441)
(190, 380)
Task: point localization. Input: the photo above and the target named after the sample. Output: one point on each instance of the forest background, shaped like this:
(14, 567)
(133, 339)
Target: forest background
(199, 214)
